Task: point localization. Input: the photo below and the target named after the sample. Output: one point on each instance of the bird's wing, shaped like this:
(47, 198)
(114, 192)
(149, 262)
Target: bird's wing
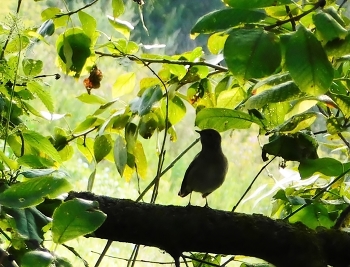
(185, 191)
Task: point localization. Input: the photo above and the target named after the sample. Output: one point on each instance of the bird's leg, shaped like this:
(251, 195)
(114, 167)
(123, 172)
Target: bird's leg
(206, 203)
(189, 202)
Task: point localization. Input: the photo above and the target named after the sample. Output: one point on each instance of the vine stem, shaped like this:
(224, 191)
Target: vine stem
(251, 184)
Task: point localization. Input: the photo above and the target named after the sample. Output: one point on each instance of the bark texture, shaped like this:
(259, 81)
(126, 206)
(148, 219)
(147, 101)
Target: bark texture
(178, 229)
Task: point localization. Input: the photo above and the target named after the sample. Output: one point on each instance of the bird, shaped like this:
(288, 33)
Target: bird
(208, 169)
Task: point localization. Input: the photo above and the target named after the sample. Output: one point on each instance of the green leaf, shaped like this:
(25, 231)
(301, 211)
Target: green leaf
(148, 124)
(36, 89)
(256, 3)
(118, 8)
(343, 103)
(140, 160)
(31, 66)
(91, 180)
(296, 147)
(230, 98)
(102, 146)
(149, 97)
(13, 165)
(37, 258)
(92, 99)
(176, 109)
(120, 154)
(41, 143)
(326, 166)
(32, 173)
(222, 119)
(124, 84)
(73, 49)
(216, 43)
(274, 113)
(223, 19)
(333, 125)
(327, 27)
(307, 63)
(18, 43)
(85, 146)
(29, 222)
(88, 23)
(121, 26)
(245, 53)
(76, 218)
(89, 123)
(297, 123)
(33, 192)
(279, 93)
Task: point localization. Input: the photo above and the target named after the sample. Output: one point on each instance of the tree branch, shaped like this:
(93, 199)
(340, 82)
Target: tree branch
(163, 61)
(177, 229)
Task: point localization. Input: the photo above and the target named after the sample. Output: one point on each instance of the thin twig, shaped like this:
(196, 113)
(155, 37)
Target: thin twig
(76, 11)
(167, 169)
(251, 184)
(164, 61)
(344, 140)
(293, 19)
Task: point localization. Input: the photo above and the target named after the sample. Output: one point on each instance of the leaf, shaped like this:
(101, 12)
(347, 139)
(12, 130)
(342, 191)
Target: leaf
(88, 23)
(147, 125)
(256, 3)
(149, 97)
(73, 49)
(333, 125)
(297, 123)
(85, 146)
(216, 43)
(89, 123)
(33, 192)
(176, 109)
(12, 164)
(75, 218)
(118, 8)
(102, 146)
(36, 89)
(245, 53)
(37, 258)
(343, 103)
(327, 27)
(307, 63)
(32, 173)
(226, 18)
(92, 99)
(41, 143)
(140, 160)
(29, 222)
(124, 84)
(295, 147)
(121, 26)
(91, 180)
(31, 66)
(230, 98)
(120, 154)
(326, 166)
(222, 119)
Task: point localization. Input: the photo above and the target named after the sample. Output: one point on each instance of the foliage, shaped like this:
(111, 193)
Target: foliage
(277, 66)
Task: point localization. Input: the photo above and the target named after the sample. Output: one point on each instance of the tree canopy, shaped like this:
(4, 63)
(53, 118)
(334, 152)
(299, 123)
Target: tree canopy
(277, 68)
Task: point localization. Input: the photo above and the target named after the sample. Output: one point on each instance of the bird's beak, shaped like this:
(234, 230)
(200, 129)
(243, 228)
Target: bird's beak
(198, 131)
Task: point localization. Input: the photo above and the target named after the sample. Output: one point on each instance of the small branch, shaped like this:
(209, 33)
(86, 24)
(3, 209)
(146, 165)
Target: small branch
(164, 61)
(344, 140)
(291, 17)
(167, 169)
(76, 11)
(251, 184)
(296, 18)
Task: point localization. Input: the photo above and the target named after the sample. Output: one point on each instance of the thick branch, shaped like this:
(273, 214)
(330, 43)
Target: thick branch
(177, 229)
